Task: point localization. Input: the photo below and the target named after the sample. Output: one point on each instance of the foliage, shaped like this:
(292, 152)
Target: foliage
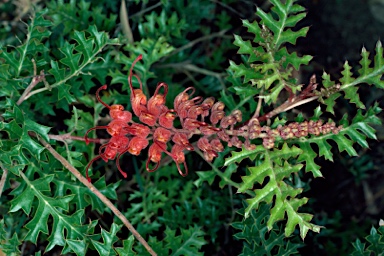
(65, 50)
(258, 241)
(375, 241)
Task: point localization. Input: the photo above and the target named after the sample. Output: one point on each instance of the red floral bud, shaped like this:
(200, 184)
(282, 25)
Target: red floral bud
(216, 145)
(248, 145)
(155, 104)
(162, 135)
(218, 106)
(138, 102)
(147, 118)
(237, 115)
(166, 119)
(223, 136)
(216, 116)
(209, 155)
(227, 121)
(236, 142)
(155, 151)
(118, 142)
(108, 154)
(124, 116)
(182, 140)
(138, 130)
(209, 130)
(177, 153)
(207, 105)
(136, 145)
(254, 128)
(204, 145)
(269, 142)
(117, 127)
(182, 97)
(195, 111)
(191, 124)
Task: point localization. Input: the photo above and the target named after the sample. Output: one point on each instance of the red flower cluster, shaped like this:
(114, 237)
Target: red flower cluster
(197, 116)
(157, 121)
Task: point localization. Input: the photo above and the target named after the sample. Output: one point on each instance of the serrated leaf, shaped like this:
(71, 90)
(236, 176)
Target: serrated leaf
(270, 62)
(8, 246)
(82, 196)
(188, 243)
(277, 190)
(237, 157)
(109, 238)
(48, 206)
(357, 131)
(126, 250)
(258, 240)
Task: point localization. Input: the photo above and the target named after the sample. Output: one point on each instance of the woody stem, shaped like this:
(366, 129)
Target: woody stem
(94, 190)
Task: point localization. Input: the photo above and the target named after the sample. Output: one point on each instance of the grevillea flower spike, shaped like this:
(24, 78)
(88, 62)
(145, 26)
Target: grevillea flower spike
(198, 116)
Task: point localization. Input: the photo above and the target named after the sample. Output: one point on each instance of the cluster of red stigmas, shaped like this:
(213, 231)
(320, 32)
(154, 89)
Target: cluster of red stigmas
(197, 116)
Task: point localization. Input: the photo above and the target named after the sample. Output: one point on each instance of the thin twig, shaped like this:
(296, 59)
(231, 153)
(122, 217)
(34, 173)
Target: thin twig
(3, 178)
(68, 136)
(94, 190)
(140, 13)
(228, 8)
(185, 67)
(35, 80)
(258, 108)
(293, 101)
(198, 40)
(124, 21)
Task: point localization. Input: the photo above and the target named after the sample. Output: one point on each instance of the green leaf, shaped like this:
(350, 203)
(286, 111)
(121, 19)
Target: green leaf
(189, 242)
(163, 24)
(367, 74)
(126, 250)
(237, 157)
(108, 238)
(276, 168)
(258, 240)
(78, 15)
(82, 196)
(19, 58)
(49, 206)
(269, 62)
(17, 127)
(375, 242)
(8, 246)
(358, 131)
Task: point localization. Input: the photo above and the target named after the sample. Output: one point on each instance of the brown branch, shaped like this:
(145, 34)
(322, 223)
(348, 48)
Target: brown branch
(3, 178)
(94, 190)
(67, 136)
(35, 80)
(293, 101)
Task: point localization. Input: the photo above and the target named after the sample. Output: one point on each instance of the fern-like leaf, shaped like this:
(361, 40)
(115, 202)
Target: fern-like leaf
(368, 74)
(275, 167)
(270, 62)
(109, 238)
(356, 131)
(258, 240)
(157, 25)
(8, 246)
(375, 241)
(188, 242)
(78, 15)
(126, 250)
(17, 125)
(49, 206)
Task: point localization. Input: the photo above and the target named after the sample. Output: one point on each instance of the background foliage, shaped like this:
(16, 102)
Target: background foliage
(247, 201)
